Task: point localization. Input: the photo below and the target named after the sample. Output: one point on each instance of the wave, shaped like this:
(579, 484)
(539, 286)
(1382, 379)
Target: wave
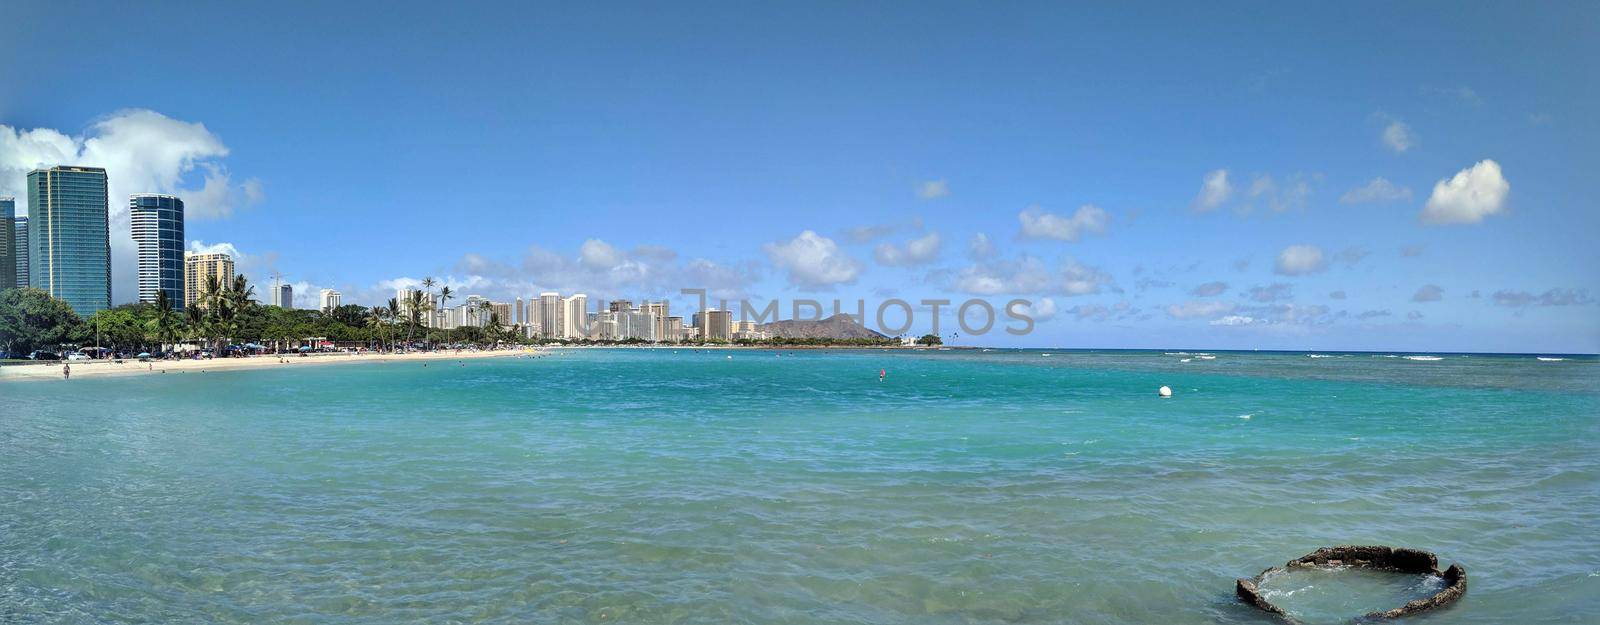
(1550, 359)
(1206, 357)
(1424, 358)
(1322, 356)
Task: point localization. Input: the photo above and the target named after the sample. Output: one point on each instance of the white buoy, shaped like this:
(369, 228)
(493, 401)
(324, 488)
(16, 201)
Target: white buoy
(1166, 391)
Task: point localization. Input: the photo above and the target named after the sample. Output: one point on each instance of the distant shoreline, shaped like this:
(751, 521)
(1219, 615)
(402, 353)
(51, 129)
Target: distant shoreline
(133, 367)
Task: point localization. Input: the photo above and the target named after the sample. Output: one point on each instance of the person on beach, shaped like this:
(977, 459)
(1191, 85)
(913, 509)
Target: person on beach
(66, 372)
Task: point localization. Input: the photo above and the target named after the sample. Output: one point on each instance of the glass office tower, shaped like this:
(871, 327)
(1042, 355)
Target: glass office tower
(21, 249)
(158, 232)
(69, 236)
(8, 243)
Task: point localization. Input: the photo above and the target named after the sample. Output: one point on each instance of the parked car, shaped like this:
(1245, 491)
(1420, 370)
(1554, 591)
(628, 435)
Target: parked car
(43, 355)
(77, 356)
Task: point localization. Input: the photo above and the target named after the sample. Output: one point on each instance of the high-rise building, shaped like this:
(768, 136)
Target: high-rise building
(282, 295)
(502, 312)
(714, 324)
(660, 311)
(329, 299)
(550, 316)
(575, 317)
(21, 250)
(69, 240)
(8, 242)
(521, 320)
(158, 232)
(198, 272)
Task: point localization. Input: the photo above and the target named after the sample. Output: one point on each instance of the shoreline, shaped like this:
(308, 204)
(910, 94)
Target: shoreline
(92, 369)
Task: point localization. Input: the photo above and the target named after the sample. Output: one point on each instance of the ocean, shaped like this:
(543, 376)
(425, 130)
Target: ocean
(739, 486)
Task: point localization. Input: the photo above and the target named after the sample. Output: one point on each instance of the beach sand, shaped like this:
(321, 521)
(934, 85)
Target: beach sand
(96, 368)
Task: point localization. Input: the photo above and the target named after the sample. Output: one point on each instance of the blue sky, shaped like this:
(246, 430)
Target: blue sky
(636, 150)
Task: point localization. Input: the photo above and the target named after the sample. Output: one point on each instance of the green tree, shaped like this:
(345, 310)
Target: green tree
(30, 319)
(164, 321)
(930, 339)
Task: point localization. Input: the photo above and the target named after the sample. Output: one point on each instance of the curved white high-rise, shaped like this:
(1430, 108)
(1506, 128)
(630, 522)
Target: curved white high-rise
(158, 232)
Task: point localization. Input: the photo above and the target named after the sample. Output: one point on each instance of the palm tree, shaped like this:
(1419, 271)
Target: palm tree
(444, 304)
(164, 320)
(394, 313)
(427, 285)
(418, 304)
(195, 322)
(380, 321)
(487, 314)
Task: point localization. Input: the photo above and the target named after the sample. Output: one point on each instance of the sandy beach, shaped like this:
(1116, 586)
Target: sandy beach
(87, 369)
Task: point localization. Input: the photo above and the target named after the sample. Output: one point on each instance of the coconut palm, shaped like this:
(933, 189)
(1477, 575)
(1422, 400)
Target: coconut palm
(380, 321)
(444, 304)
(164, 320)
(394, 315)
(417, 305)
(487, 314)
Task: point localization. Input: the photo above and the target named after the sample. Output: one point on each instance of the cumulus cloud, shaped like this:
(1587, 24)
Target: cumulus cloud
(1199, 309)
(1398, 136)
(1214, 190)
(1291, 194)
(813, 261)
(1275, 292)
(933, 189)
(1414, 315)
(1299, 260)
(1378, 190)
(1233, 320)
(919, 251)
(1428, 293)
(1031, 275)
(1042, 309)
(1209, 289)
(980, 247)
(1467, 197)
(143, 152)
(1039, 224)
(1552, 297)
(597, 254)
(1352, 255)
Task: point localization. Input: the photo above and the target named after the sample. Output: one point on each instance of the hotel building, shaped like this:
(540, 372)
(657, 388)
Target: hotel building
(199, 269)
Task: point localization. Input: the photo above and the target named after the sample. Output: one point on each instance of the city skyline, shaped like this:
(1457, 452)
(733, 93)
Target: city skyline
(1428, 193)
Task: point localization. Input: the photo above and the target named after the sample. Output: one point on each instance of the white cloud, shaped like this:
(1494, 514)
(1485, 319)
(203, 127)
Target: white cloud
(1469, 196)
(597, 254)
(1214, 190)
(1030, 275)
(1379, 190)
(1292, 194)
(1275, 292)
(1039, 224)
(1299, 260)
(918, 251)
(1233, 320)
(143, 152)
(1199, 308)
(1042, 309)
(933, 189)
(1428, 293)
(813, 261)
(1398, 136)
(1209, 289)
(980, 248)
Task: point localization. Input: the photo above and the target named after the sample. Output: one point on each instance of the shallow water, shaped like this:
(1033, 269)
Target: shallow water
(1338, 594)
(643, 486)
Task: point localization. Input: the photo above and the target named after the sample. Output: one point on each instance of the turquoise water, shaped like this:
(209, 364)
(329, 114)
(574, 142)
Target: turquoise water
(640, 486)
(1315, 595)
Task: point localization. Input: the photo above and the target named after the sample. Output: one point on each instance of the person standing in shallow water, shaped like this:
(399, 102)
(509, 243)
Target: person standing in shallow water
(66, 371)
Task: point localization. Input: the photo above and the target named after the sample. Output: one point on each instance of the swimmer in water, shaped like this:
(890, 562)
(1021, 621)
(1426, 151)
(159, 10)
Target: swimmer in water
(882, 373)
